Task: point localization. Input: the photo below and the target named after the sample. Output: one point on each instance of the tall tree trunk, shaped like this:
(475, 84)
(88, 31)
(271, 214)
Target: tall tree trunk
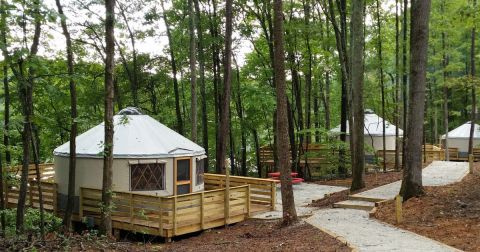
(288, 204)
(6, 92)
(397, 88)
(227, 84)
(473, 91)
(26, 98)
(173, 64)
(193, 71)
(106, 219)
(35, 150)
(201, 65)
(73, 116)
(357, 48)
(257, 152)
(382, 84)
(404, 80)
(445, 91)
(412, 174)
(239, 106)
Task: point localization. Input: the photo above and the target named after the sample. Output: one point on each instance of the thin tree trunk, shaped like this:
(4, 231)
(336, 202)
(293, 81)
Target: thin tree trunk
(35, 149)
(193, 71)
(382, 84)
(288, 204)
(227, 83)
(445, 92)
(239, 106)
(201, 64)
(397, 89)
(257, 152)
(6, 92)
(73, 116)
(173, 64)
(106, 220)
(412, 174)
(473, 89)
(404, 80)
(357, 48)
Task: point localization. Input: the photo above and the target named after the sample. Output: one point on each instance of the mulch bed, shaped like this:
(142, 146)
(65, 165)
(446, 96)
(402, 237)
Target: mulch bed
(260, 235)
(449, 214)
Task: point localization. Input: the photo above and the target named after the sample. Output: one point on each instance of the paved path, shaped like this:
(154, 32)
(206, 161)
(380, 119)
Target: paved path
(371, 235)
(304, 194)
(438, 173)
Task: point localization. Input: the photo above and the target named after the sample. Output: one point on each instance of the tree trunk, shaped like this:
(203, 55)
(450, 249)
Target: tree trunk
(26, 98)
(288, 204)
(412, 174)
(239, 106)
(6, 116)
(257, 152)
(382, 84)
(227, 83)
(445, 92)
(357, 48)
(193, 71)
(73, 115)
(201, 64)
(35, 150)
(397, 89)
(106, 220)
(404, 81)
(173, 64)
(473, 91)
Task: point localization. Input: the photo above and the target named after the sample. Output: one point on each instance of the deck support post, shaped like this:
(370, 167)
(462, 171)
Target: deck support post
(227, 197)
(248, 202)
(273, 196)
(202, 210)
(470, 163)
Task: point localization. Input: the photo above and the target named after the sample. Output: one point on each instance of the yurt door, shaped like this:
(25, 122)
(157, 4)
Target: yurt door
(183, 176)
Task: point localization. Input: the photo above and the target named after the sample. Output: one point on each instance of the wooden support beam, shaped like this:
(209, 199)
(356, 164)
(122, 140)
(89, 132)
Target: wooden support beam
(202, 210)
(273, 196)
(80, 211)
(249, 210)
(398, 209)
(470, 163)
(227, 196)
(160, 217)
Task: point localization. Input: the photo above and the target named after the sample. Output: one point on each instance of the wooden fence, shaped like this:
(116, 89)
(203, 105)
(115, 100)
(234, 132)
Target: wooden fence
(262, 191)
(49, 193)
(173, 215)
(429, 153)
(46, 171)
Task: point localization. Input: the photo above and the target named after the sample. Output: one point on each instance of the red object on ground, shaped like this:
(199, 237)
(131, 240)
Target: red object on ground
(294, 180)
(277, 174)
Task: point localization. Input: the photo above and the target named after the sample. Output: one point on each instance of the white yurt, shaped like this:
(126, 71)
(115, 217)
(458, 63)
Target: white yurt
(149, 158)
(374, 132)
(459, 137)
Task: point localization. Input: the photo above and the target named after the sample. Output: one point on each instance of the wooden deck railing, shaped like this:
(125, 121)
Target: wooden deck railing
(173, 215)
(429, 153)
(262, 191)
(49, 193)
(46, 171)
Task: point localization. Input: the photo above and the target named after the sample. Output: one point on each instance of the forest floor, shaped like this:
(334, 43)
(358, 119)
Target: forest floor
(255, 235)
(449, 214)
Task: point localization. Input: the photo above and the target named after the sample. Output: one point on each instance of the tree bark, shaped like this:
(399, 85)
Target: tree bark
(173, 64)
(106, 221)
(288, 204)
(73, 116)
(201, 65)
(404, 80)
(412, 174)
(357, 48)
(227, 84)
(382, 84)
(397, 89)
(193, 71)
(473, 89)
(6, 92)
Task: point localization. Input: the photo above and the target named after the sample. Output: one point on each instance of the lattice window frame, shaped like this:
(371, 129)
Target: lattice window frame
(149, 173)
(199, 173)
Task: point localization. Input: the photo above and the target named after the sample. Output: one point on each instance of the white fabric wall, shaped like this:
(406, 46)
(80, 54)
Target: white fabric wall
(378, 142)
(461, 143)
(89, 174)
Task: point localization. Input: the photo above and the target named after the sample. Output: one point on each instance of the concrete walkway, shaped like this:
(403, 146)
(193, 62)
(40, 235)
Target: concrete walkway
(367, 234)
(304, 194)
(371, 235)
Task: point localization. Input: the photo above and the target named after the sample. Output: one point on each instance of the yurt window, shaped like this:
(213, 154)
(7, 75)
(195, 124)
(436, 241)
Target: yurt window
(147, 177)
(200, 165)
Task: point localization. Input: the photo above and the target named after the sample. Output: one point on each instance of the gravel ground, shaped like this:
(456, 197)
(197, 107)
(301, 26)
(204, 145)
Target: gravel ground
(436, 174)
(304, 194)
(371, 235)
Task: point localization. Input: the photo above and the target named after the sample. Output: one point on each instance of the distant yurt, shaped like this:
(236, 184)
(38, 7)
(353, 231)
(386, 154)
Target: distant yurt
(459, 137)
(149, 158)
(374, 132)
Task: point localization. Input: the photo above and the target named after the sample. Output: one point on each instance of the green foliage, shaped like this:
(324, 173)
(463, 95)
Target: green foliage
(32, 222)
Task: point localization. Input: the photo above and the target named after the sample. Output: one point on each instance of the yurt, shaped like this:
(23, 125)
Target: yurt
(459, 137)
(149, 158)
(374, 132)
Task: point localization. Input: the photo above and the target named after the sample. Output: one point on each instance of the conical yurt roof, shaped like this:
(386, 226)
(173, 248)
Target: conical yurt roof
(463, 132)
(135, 136)
(374, 126)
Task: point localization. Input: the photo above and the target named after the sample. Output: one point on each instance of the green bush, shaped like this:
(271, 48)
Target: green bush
(32, 222)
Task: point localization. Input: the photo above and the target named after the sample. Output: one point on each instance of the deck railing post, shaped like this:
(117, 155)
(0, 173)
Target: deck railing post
(227, 196)
(80, 210)
(470, 163)
(273, 196)
(131, 211)
(174, 215)
(248, 201)
(160, 217)
(202, 210)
